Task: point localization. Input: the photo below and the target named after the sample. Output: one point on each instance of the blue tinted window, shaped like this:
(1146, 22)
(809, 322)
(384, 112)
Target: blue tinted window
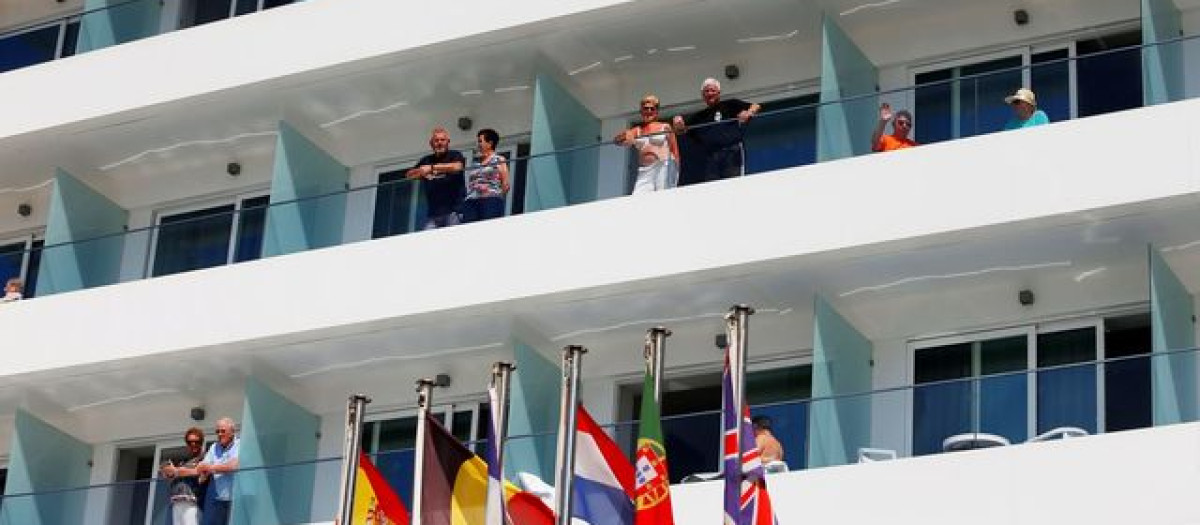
(941, 409)
(1051, 80)
(193, 240)
(1066, 395)
(969, 387)
(252, 223)
(28, 48)
(395, 200)
(12, 257)
(784, 136)
(1110, 73)
(965, 101)
(1003, 406)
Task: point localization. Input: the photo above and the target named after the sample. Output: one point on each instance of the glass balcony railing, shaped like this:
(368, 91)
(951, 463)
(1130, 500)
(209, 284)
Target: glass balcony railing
(1003, 409)
(945, 105)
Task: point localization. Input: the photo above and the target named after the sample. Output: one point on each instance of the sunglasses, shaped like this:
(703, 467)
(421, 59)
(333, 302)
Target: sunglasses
(903, 123)
(192, 441)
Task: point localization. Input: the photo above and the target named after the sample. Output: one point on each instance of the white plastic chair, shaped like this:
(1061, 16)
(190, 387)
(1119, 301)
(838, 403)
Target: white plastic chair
(873, 455)
(775, 467)
(1059, 433)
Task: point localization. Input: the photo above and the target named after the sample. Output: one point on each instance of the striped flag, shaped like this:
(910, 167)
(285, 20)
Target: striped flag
(603, 484)
(652, 491)
(453, 480)
(375, 503)
(525, 508)
(746, 499)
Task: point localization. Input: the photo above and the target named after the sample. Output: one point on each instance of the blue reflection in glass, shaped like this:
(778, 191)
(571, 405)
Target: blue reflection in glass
(193, 240)
(29, 48)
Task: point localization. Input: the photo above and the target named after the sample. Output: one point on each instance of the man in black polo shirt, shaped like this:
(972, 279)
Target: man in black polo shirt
(718, 129)
(442, 181)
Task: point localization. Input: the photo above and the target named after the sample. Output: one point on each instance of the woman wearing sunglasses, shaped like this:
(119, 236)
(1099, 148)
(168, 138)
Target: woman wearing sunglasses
(658, 153)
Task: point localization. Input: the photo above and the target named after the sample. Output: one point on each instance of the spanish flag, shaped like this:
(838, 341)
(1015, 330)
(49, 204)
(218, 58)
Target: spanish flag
(453, 480)
(374, 501)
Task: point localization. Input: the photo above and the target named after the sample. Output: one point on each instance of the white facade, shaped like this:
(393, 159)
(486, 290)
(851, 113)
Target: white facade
(928, 244)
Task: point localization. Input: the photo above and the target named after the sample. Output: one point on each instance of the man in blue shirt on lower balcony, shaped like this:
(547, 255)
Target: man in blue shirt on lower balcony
(218, 466)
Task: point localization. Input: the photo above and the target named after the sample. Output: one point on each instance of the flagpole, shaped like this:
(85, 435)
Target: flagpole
(740, 316)
(656, 346)
(501, 379)
(424, 400)
(350, 450)
(565, 476)
(735, 322)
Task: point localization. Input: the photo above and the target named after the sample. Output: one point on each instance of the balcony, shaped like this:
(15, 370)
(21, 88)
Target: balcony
(1089, 459)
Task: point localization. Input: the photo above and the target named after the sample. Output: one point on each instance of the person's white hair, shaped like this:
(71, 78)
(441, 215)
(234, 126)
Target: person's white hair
(711, 82)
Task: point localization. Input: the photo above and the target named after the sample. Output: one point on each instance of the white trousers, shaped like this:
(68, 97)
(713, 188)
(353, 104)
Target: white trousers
(658, 176)
(185, 513)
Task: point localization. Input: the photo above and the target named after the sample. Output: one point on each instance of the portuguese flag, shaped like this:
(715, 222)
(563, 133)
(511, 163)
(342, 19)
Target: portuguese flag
(453, 480)
(375, 503)
(652, 493)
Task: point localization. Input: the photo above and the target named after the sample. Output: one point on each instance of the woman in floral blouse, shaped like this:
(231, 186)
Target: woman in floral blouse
(487, 180)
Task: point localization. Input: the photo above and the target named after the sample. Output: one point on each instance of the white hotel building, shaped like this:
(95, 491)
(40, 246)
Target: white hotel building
(205, 200)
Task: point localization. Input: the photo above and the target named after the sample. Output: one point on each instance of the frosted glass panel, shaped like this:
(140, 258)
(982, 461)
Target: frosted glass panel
(1172, 329)
(844, 128)
(283, 435)
(44, 458)
(841, 367)
(307, 194)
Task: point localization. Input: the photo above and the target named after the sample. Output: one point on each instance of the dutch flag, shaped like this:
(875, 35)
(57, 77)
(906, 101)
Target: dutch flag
(604, 477)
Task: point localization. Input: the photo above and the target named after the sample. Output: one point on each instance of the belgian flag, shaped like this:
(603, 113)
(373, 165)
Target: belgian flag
(453, 480)
(375, 503)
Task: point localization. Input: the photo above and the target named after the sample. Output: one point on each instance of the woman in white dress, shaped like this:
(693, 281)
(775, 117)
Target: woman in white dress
(658, 153)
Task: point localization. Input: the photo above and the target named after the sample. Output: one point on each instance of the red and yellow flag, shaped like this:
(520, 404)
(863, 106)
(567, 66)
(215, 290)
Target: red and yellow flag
(375, 503)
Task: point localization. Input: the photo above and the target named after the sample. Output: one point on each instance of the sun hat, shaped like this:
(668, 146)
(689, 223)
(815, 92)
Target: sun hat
(1024, 95)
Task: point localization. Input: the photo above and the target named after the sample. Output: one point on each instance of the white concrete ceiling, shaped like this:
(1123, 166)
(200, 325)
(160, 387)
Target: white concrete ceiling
(904, 290)
(382, 108)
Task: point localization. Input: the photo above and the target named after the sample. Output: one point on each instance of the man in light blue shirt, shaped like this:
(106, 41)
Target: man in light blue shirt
(218, 466)
(1025, 111)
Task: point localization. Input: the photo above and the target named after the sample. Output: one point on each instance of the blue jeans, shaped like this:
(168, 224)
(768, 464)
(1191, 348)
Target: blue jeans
(482, 209)
(216, 512)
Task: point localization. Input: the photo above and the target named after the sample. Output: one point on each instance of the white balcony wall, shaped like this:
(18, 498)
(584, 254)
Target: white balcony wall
(1143, 476)
(1043, 176)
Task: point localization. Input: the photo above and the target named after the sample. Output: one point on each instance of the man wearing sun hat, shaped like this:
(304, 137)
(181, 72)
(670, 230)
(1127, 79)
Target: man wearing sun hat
(1025, 111)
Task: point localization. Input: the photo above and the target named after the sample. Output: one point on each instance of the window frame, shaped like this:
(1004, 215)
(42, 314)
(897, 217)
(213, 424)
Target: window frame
(237, 200)
(1031, 331)
(29, 239)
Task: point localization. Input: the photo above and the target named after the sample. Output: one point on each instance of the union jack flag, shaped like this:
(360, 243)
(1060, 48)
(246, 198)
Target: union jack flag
(746, 499)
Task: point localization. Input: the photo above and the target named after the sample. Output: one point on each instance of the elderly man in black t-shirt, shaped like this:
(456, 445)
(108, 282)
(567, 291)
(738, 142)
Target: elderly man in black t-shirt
(718, 129)
(442, 181)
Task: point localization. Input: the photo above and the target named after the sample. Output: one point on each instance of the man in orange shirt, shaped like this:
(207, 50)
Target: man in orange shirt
(901, 126)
